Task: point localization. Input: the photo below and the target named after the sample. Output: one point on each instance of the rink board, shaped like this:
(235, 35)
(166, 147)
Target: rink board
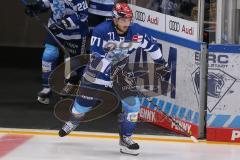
(223, 118)
(165, 23)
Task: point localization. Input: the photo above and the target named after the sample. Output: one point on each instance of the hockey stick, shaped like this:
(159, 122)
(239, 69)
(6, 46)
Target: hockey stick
(194, 139)
(65, 51)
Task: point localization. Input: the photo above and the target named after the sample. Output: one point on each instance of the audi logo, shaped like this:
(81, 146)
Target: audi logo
(140, 16)
(174, 26)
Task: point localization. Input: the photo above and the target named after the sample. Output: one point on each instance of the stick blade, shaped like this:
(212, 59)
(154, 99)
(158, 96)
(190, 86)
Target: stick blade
(194, 139)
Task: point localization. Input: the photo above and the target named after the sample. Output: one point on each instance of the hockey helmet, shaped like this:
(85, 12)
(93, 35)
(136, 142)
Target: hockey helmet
(122, 10)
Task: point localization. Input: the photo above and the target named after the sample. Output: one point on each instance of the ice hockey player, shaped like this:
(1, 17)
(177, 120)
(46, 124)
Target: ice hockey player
(110, 40)
(68, 22)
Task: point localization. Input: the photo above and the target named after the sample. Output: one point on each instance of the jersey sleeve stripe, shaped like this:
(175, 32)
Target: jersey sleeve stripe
(156, 54)
(149, 49)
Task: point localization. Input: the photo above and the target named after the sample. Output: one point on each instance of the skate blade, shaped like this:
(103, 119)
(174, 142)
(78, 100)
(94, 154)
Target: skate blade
(125, 150)
(62, 133)
(43, 100)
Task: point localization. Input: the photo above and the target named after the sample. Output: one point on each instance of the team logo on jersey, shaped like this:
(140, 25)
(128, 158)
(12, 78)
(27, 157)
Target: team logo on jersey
(137, 38)
(219, 83)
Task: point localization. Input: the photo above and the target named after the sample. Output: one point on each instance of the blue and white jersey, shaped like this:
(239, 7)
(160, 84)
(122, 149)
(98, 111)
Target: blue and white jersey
(108, 47)
(101, 7)
(75, 11)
